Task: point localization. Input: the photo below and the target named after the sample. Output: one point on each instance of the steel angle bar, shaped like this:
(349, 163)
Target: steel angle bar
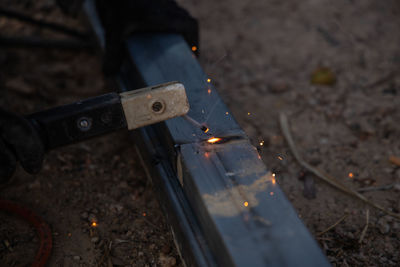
(222, 203)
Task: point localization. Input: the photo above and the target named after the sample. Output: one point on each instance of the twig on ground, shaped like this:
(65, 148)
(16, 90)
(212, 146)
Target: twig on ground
(387, 78)
(334, 225)
(364, 231)
(376, 188)
(105, 258)
(325, 177)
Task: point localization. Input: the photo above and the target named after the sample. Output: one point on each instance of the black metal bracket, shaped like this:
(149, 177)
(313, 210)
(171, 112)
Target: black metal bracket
(79, 121)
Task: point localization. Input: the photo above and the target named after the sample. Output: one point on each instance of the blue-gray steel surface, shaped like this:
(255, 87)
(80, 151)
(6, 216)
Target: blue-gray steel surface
(243, 215)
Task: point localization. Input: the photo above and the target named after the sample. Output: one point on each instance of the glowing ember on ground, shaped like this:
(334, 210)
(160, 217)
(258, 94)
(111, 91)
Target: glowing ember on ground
(206, 130)
(351, 175)
(94, 224)
(246, 203)
(213, 140)
(194, 48)
(248, 113)
(261, 143)
(226, 113)
(144, 214)
(209, 91)
(280, 158)
(273, 181)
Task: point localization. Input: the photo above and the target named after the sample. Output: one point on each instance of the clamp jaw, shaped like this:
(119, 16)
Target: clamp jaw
(103, 114)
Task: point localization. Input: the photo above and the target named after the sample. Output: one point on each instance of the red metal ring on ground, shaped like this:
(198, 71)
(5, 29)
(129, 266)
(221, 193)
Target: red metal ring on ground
(42, 229)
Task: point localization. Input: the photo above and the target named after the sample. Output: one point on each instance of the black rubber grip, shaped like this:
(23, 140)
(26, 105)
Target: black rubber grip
(79, 121)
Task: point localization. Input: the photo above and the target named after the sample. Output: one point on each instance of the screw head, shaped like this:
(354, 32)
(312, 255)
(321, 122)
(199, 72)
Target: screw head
(157, 106)
(84, 124)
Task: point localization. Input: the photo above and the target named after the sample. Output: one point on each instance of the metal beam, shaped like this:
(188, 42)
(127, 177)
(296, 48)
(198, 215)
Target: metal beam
(223, 205)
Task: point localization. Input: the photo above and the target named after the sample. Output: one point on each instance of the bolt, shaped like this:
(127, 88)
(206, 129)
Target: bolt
(157, 106)
(84, 124)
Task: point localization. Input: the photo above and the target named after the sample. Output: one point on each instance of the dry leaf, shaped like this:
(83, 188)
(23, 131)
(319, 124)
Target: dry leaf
(323, 76)
(394, 160)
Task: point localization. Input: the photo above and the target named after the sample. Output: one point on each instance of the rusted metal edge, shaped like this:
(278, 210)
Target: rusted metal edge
(223, 205)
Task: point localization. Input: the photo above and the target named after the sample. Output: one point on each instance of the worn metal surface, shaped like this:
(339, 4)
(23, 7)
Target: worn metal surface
(154, 104)
(244, 217)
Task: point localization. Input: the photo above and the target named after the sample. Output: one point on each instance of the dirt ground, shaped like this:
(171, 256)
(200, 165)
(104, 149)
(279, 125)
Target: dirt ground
(261, 56)
(98, 181)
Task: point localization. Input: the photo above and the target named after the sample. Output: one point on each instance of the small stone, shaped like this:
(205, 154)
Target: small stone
(364, 174)
(397, 174)
(166, 249)
(20, 86)
(323, 141)
(166, 261)
(396, 187)
(117, 261)
(92, 218)
(387, 170)
(123, 184)
(278, 87)
(77, 258)
(383, 226)
(95, 239)
(116, 208)
(276, 140)
(34, 185)
(128, 234)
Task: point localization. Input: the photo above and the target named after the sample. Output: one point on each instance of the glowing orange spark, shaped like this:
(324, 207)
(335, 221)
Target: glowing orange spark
(351, 175)
(206, 154)
(144, 214)
(194, 48)
(248, 113)
(273, 181)
(246, 203)
(273, 175)
(213, 140)
(261, 143)
(208, 80)
(94, 224)
(226, 113)
(209, 91)
(280, 158)
(206, 130)
(271, 193)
